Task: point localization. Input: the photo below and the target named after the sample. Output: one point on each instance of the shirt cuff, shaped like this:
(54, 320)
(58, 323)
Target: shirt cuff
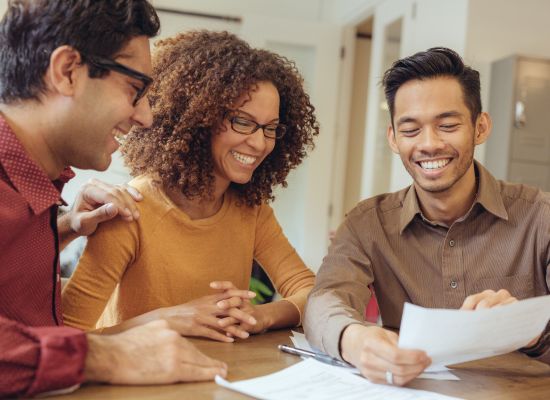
(61, 361)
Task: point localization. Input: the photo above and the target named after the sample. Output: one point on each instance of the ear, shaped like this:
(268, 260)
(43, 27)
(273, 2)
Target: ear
(62, 73)
(483, 128)
(390, 134)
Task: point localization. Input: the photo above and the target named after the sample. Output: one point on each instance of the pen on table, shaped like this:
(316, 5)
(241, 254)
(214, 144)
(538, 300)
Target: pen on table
(317, 356)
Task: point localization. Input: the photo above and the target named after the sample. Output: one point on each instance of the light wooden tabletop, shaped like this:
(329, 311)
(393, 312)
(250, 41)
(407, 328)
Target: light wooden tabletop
(512, 376)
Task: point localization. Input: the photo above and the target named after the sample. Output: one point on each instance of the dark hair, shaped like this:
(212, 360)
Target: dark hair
(199, 75)
(433, 63)
(32, 29)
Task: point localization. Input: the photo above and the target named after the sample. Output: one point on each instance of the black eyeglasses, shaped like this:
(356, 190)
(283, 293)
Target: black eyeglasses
(107, 64)
(247, 127)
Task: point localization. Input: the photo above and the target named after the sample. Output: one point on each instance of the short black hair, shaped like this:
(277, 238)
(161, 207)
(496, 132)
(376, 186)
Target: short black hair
(433, 63)
(32, 29)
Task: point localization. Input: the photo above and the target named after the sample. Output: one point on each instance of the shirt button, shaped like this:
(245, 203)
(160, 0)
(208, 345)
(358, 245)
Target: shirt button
(452, 243)
(454, 284)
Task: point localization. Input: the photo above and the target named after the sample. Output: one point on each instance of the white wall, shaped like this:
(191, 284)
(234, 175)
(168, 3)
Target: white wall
(293, 9)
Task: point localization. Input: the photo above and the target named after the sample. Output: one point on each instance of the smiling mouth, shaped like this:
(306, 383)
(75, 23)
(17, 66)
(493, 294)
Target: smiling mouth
(243, 159)
(434, 165)
(119, 136)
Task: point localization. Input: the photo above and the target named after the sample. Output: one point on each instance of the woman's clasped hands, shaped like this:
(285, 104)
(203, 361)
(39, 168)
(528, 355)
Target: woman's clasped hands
(222, 316)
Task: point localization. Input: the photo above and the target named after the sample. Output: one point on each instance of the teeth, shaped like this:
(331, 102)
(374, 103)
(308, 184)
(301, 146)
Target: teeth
(242, 158)
(120, 136)
(434, 164)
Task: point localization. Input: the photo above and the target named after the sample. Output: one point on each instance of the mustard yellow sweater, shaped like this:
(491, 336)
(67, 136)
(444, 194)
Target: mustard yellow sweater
(165, 259)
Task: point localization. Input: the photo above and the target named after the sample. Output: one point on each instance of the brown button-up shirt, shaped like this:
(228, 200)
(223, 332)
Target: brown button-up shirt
(503, 242)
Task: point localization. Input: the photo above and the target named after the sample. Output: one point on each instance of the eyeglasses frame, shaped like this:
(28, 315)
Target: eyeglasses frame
(231, 119)
(108, 64)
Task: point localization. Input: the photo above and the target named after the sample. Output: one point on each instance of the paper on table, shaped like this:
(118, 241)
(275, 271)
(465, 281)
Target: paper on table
(311, 379)
(299, 340)
(455, 336)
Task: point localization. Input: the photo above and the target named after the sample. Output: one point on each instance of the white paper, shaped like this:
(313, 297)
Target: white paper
(455, 336)
(311, 379)
(299, 340)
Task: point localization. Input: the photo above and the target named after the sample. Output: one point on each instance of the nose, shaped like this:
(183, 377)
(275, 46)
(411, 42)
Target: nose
(143, 115)
(257, 140)
(430, 141)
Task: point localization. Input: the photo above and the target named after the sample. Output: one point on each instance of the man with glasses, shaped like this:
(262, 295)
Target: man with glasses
(73, 77)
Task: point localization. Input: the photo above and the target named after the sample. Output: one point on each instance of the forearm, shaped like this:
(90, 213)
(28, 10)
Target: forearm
(132, 322)
(279, 314)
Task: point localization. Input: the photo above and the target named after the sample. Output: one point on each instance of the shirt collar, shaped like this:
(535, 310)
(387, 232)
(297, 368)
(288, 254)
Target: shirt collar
(26, 176)
(488, 196)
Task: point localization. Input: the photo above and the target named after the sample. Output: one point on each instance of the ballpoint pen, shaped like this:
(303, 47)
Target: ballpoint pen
(317, 356)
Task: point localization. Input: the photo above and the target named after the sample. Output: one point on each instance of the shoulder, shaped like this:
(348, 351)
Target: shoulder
(377, 206)
(528, 196)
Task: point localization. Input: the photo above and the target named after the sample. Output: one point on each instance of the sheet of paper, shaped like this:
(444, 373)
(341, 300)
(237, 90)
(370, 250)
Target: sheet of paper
(311, 379)
(455, 336)
(299, 340)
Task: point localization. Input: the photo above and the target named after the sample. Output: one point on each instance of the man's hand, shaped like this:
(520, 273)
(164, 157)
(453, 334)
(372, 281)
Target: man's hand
(373, 350)
(97, 202)
(148, 354)
(489, 299)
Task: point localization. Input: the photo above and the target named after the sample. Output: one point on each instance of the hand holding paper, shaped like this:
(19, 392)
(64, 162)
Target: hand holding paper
(454, 336)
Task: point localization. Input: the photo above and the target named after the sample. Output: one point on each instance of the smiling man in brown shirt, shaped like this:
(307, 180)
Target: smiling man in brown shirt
(456, 238)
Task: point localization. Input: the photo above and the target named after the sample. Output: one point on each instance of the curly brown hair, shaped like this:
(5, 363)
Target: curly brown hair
(199, 75)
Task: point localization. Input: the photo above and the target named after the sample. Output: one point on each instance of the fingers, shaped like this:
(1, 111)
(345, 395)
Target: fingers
(374, 367)
(122, 197)
(210, 328)
(194, 373)
(234, 328)
(196, 366)
(242, 316)
(104, 213)
(398, 380)
(222, 285)
(233, 298)
(487, 299)
(191, 355)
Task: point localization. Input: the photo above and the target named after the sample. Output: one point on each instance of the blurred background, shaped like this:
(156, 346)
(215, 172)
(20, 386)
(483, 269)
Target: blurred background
(342, 48)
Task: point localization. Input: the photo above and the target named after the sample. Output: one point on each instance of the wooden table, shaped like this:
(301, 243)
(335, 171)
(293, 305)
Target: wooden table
(512, 376)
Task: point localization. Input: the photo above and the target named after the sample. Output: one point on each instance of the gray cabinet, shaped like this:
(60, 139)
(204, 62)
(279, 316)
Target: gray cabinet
(519, 148)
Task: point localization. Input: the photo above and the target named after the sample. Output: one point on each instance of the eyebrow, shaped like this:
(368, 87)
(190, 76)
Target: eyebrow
(254, 118)
(447, 114)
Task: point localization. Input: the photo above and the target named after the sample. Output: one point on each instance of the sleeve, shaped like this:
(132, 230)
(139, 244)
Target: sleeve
(39, 359)
(290, 276)
(541, 350)
(109, 251)
(341, 294)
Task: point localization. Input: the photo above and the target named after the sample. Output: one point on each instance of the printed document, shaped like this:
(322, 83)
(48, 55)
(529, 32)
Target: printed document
(455, 336)
(314, 380)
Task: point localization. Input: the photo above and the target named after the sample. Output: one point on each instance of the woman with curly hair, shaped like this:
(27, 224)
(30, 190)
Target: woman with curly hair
(230, 123)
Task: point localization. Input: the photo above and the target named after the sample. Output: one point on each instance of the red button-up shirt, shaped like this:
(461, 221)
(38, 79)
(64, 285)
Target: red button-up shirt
(36, 354)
